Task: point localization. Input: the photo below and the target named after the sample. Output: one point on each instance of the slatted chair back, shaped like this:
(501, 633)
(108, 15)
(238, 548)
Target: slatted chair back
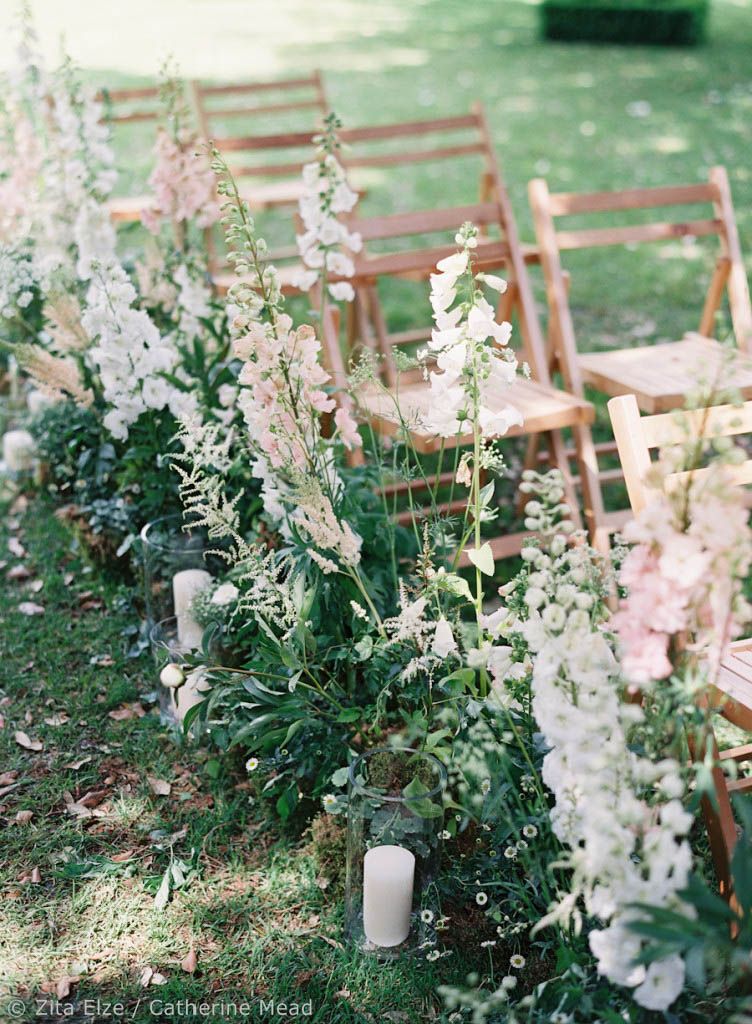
(636, 437)
(132, 106)
(218, 105)
(728, 276)
(386, 251)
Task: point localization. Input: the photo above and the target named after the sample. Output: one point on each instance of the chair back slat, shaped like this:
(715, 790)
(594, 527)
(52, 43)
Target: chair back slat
(564, 204)
(589, 238)
(123, 106)
(422, 222)
(218, 103)
(422, 262)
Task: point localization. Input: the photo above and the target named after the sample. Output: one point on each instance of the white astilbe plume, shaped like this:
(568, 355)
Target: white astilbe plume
(619, 814)
(261, 575)
(55, 375)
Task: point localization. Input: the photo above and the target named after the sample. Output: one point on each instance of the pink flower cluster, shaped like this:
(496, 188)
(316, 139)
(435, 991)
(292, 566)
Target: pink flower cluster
(683, 577)
(284, 396)
(184, 186)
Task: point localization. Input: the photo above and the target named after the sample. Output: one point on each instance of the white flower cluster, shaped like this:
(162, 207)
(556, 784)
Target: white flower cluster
(129, 352)
(17, 281)
(326, 244)
(624, 848)
(77, 176)
(471, 374)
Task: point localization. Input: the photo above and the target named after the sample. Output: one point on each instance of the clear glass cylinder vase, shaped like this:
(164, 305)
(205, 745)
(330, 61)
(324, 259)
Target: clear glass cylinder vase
(181, 687)
(394, 835)
(168, 549)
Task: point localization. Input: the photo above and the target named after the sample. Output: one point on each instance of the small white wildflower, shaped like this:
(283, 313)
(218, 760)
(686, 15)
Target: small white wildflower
(433, 955)
(251, 764)
(510, 853)
(485, 786)
(359, 611)
(488, 944)
(481, 899)
(517, 961)
(529, 831)
(329, 801)
(521, 844)
(446, 835)
(509, 982)
(426, 916)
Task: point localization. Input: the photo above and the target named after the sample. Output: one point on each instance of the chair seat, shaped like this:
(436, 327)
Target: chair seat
(661, 376)
(126, 209)
(224, 279)
(542, 407)
(734, 684)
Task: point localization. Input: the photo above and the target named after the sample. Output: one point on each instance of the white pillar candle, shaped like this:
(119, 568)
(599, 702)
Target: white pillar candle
(192, 691)
(38, 400)
(388, 873)
(18, 450)
(185, 585)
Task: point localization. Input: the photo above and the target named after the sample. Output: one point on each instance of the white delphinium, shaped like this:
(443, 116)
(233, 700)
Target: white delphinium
(619, 814)
(129, 352)
(326, 244)
(17, 281)
(471, 373)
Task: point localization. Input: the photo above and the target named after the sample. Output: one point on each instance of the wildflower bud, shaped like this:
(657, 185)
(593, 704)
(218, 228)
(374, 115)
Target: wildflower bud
(172, 676)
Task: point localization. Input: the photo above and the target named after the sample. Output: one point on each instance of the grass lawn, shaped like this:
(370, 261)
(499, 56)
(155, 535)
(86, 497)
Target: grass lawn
(79, 879)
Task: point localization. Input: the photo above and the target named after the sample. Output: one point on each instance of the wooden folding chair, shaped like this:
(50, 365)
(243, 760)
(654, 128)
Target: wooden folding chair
(658, 375)
(264, 184)
(544, 408)
(125, 107)
(636, 436)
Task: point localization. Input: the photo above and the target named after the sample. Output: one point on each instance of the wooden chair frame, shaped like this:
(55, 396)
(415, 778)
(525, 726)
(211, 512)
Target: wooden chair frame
(250, 98)
(366, 321)
(636, 436)
(141, 105)
(729, 277)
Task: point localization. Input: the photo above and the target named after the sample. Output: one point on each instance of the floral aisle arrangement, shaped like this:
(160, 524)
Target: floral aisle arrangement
(565, 792)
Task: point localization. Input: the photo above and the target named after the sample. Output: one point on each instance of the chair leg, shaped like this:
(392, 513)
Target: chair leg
(592, 496)
(559, 459)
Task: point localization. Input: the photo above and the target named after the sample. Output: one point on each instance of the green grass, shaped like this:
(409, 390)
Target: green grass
(253, 907)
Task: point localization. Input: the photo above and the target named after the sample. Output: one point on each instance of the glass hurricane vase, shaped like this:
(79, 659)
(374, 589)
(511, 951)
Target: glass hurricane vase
(394, 829)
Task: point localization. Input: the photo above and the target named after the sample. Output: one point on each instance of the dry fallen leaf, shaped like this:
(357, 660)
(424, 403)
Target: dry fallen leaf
(36, 877)
(30, 608)
(119, 858)
(7, 777)
(16, 547)
(28, 744)
(24, 817)
(59, 718)
(146, 976)
(127, 711)
(35, 586)
(190, 963)
(75, 765)
(18, 572)
(158, 786)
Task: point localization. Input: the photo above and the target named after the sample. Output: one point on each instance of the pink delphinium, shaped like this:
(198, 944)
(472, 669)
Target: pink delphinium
(692, 548)
(184, 186)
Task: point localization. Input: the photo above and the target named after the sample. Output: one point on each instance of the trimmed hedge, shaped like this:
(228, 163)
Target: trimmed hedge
(656, 22)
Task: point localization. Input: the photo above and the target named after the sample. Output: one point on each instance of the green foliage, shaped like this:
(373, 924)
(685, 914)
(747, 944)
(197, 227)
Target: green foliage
(658, 22)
